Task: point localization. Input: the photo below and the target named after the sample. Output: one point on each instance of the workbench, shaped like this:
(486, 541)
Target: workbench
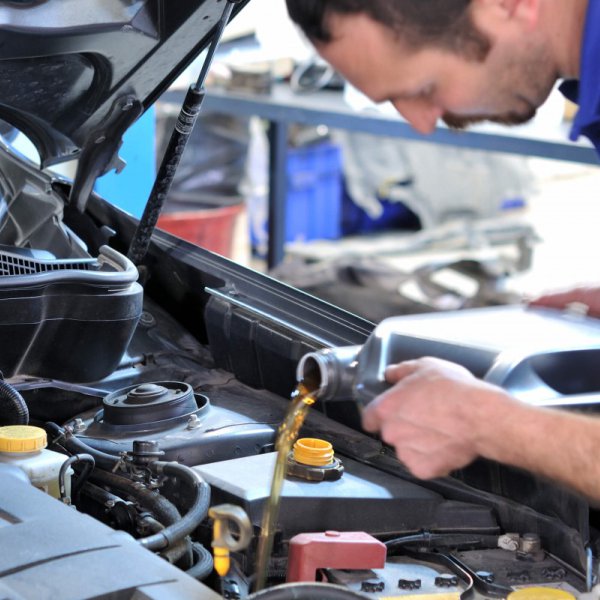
(282, 107)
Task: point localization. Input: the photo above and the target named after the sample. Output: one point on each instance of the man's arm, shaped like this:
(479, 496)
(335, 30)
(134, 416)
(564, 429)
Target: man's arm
(440, 418)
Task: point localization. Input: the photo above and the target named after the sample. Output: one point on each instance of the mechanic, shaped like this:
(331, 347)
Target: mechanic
(465, 61)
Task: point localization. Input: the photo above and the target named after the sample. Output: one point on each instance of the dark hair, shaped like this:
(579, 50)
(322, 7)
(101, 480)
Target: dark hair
(442, 23)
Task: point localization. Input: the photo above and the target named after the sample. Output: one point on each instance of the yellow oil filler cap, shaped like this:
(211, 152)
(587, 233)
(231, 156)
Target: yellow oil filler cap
(314, 460)
(313, 452)
(540, 593)
(22, 438)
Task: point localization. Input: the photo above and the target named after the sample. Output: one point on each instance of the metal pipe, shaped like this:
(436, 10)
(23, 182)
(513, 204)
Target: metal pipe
(90, 463)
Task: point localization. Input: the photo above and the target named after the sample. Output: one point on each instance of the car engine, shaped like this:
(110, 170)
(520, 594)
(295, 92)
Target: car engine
(140, 403)
(161, 427)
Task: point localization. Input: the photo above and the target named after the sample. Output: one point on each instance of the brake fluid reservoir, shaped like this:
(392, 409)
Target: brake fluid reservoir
(24, 446)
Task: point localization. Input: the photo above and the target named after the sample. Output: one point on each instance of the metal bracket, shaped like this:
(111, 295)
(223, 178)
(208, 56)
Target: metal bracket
(100, 153)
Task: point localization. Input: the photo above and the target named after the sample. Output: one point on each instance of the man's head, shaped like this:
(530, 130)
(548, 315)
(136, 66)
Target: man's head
(463, 61)
(443, 23)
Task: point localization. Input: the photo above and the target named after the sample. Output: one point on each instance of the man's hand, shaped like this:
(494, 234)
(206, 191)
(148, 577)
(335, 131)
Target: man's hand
(436, 415)
(439, 418)
(587, 295)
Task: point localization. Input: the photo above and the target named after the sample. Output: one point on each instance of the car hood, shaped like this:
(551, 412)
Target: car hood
(78, 73)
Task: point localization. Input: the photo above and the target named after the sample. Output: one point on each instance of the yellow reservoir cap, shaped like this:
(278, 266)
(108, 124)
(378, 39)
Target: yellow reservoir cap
(313, 452)
(22, 438)
(540, 593)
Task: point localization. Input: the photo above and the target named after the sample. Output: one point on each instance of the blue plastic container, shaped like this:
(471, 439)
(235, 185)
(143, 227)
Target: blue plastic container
(314, 199)
(394, 215)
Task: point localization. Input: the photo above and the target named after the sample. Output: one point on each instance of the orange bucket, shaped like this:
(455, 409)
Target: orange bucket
(210, 228)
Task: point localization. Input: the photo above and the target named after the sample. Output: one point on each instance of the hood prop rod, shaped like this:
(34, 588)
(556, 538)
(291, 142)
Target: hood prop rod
(179, 138)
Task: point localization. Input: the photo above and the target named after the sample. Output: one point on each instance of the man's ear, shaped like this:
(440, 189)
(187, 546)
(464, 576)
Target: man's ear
(527, 11)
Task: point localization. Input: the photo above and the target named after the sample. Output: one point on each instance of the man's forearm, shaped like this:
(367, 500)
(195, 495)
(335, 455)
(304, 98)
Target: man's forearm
(555, 444)
(439, 418)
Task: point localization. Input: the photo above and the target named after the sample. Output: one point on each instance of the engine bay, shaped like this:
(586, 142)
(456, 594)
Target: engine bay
(373, 531)
(173, 405)
(140, 400)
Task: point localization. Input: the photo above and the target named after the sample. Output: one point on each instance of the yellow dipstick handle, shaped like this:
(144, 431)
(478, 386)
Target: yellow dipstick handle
(224, 540)
(220, 553)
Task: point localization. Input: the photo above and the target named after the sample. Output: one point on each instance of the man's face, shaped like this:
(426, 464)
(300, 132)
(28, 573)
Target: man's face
(434, 83)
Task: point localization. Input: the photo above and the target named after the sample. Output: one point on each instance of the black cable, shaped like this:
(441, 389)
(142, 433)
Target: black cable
(427, 539)
(76, 446)
(173, 554)
(82, 477)
(163, 509)
(13, 409)
(101, 496)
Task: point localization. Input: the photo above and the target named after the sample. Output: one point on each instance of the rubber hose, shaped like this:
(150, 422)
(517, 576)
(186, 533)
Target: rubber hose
(172, 555)
(88, 466)
(175, 530)
(13, 409)
(306, 591)
(158, 505)
(152, 524)
(101, 496)
(194, 516)
(203, 564)
(74, 445)
(164, 510)
(179, 550)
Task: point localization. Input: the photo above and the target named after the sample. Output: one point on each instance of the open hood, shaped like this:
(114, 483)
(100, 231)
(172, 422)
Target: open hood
(79, 73)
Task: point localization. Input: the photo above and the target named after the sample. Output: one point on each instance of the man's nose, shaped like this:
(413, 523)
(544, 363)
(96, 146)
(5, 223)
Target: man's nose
(421, 116)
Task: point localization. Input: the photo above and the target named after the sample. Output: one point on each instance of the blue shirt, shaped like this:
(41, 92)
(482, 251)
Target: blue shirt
(586, 91)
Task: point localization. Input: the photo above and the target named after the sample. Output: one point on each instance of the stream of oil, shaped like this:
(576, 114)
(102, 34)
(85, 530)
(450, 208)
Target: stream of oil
(287, 433)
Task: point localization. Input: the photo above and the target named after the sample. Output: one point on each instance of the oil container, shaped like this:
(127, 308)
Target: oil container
(353, 372)
(357, 372)
(24, 446)
(538, 353)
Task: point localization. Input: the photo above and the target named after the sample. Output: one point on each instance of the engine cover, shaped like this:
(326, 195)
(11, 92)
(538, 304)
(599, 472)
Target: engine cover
(66, 319)
(53, 551)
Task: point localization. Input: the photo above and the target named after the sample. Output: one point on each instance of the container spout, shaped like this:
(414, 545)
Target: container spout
(329, 373)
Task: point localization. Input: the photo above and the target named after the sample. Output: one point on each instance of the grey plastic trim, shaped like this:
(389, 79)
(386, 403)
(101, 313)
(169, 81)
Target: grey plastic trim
(123, 273)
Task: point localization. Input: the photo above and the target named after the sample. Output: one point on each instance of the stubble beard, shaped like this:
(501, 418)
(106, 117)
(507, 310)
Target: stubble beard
(529, 82)
(461, 122)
